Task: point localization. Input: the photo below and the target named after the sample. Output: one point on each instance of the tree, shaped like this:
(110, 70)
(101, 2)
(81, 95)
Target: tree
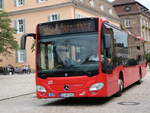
(7, 39)
(147, 56)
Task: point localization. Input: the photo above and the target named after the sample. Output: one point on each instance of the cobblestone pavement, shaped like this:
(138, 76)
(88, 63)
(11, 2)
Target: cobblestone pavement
(15, 85)
(135, 99)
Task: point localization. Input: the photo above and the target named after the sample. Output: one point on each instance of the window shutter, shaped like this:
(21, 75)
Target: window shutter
(58, 16)
(19, 56)
(50, 18)
(16, 25)
(24, 1)
(24, 26)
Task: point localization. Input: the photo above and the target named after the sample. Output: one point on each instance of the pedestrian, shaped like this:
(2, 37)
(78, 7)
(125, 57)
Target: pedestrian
(24, 69)
(10, 69)
(27, 69)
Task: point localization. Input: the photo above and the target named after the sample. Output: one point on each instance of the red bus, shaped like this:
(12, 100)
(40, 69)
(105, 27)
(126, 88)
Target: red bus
(86, 58)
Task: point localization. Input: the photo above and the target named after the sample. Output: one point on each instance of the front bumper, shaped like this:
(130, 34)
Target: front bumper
(67, 94)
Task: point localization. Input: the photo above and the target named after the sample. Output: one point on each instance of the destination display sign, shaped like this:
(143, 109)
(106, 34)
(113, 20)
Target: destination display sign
(68, 26)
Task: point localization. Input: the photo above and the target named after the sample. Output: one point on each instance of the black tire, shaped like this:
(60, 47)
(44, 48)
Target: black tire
(139, 82)
(120, 85)
(140, 75)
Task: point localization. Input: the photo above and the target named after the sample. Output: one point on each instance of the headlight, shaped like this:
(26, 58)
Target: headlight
(96, 86)
(40, 89)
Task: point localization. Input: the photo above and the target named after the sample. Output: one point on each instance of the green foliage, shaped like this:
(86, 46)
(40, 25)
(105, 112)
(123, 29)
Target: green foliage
(147, 56)
(7, 40)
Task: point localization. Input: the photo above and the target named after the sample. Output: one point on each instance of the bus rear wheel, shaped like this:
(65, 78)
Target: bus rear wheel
(120, 85)
(140, 76)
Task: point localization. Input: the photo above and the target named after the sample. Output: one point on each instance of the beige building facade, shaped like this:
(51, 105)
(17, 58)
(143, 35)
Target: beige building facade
(26, 14)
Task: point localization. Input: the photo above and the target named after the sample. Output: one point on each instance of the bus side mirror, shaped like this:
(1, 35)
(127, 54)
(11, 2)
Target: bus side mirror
(107, 41)
(24, 38)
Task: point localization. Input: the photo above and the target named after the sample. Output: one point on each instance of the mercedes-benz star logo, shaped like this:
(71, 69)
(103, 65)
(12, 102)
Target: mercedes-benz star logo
(66, 88)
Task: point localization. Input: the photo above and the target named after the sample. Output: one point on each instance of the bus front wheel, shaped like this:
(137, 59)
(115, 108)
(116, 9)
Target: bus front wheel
(120, 85)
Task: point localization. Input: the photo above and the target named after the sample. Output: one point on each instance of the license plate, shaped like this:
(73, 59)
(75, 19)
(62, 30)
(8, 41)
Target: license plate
(66, 94)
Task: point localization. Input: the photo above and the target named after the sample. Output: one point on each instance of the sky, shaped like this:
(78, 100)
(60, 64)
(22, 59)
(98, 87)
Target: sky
(146, 3)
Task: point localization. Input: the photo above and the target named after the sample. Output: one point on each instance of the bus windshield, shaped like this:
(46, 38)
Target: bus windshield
(68, 54)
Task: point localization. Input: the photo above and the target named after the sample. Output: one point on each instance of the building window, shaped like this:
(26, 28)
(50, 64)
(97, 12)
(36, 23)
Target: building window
(110, 11)
(77, 15)
(53, 17)
(142, 33)
(144, 22)
(91, 2)
(20, 26)
(127, 22)
(21, 56)
(147, 24)
(81, 0)
(19, 3)
(1, 4)
(101, 7)
(41, 1)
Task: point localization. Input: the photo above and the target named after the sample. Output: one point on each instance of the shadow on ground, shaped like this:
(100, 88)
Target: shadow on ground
(79, 102)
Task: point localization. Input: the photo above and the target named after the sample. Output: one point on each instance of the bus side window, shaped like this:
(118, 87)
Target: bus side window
(132, 62)
(120, 47)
